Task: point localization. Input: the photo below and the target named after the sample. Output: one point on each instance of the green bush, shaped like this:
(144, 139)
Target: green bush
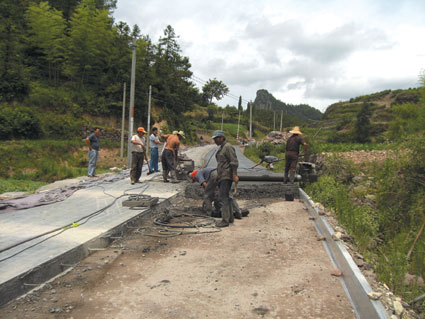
(19, 122)
(341, 137)
(359, 221)
(6, 123)
(61, 126)
(57, 99)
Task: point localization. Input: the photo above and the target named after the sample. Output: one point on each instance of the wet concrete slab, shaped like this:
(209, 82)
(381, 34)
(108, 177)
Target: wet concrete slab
(17, 228)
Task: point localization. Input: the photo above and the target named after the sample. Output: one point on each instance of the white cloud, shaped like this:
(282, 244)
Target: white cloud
(315, 52)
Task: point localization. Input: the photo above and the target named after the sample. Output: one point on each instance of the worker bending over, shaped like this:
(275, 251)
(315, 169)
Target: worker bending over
(170, 155)
(269, 160)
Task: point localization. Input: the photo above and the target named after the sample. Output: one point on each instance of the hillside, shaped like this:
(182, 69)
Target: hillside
(339, 119)
(302, 112)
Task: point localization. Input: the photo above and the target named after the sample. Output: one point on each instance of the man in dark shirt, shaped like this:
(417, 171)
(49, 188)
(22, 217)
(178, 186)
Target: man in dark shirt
(227, 166)
(292, 151)
(93, 144)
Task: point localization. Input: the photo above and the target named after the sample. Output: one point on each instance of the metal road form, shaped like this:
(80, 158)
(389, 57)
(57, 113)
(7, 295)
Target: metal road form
(355, 284)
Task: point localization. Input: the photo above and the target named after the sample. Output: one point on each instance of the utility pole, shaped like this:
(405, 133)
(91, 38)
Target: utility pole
(149, 119)
(250, 123)
(222, 118)
(239, 121)
(122, 122)
(131, 113)
(281, 117)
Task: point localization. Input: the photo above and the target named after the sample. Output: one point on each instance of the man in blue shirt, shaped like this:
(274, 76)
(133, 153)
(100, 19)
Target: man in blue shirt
(93, 143)
(207, 178)
(153, 144)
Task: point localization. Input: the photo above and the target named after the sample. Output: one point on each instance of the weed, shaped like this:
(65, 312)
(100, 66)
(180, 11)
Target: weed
(12, 185)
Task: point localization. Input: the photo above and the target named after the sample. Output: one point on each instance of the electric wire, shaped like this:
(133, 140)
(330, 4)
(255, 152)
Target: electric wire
(70, 225)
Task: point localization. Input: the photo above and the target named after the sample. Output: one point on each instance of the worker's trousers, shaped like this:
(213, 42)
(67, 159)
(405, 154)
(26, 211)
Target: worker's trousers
(136, 165)
(223, 194)
(93, 156)
(154, 159)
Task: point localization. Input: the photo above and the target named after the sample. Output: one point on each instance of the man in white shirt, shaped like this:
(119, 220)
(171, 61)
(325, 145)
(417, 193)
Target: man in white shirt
(138, 155)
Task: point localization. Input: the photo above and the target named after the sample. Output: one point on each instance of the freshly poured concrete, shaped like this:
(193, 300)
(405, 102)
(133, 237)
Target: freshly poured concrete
(20, 225)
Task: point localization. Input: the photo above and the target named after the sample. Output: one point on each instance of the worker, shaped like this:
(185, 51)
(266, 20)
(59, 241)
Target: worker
(154, 143)
(227, 166)
(138, 154)
(269, 160)
(93, 143)
(207, 178)
(170, 155)
(292, 151)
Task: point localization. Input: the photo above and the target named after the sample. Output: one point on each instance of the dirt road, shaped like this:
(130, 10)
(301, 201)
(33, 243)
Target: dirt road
(267, 265)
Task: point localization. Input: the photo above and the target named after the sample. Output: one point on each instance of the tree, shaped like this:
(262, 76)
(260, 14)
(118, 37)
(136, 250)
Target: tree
(47, 27)
(13, 74)
(240, 104)
(172, 86)
(91, 39)
(214, 89)
(362, 127)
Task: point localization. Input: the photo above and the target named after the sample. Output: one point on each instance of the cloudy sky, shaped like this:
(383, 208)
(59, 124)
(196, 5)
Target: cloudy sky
(307, 51)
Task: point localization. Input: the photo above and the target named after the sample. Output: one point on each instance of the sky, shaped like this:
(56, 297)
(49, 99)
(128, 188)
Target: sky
(314, 52)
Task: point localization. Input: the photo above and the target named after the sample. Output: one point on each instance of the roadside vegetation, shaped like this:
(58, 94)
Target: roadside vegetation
(381, 204)
(28, 164)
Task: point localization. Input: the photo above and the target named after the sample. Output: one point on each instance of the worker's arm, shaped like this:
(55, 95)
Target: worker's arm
(138, 143)
(259, 163)
(88, 142)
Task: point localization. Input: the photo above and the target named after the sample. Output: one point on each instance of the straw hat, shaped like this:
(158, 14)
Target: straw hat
(181, 133)
(295, 130)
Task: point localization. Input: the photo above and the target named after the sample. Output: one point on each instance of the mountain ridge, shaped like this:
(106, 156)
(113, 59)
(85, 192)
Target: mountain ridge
(304, 112)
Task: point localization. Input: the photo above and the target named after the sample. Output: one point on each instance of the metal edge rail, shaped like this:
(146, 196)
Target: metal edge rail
(353, 281)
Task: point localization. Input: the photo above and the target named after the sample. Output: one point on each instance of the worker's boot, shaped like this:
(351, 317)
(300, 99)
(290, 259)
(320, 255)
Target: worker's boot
(235, 209)
(165, 175)
(292, 177)
(285, 178)
(226, 213)
(222, 223)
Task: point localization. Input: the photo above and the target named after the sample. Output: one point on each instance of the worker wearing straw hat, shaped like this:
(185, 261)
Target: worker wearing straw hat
(292, 151)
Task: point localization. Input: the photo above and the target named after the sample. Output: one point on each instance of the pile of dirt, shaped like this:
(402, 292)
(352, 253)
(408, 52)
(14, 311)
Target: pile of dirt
(360, 157)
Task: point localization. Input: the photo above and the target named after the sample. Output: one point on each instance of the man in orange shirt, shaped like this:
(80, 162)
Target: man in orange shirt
(169, 155)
